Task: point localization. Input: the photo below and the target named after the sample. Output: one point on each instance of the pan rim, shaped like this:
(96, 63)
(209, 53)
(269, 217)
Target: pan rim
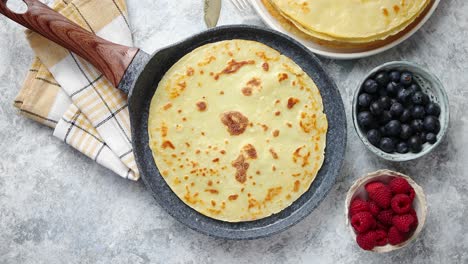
(308, 205)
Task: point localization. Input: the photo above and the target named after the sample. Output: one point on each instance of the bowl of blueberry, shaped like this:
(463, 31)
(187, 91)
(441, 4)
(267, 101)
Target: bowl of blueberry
(400, 111)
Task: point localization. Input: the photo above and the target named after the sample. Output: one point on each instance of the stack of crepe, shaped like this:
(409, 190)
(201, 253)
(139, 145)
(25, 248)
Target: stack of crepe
(353, 22)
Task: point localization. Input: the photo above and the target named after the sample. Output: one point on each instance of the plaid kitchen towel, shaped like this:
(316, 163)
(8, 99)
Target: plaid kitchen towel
(65, 92)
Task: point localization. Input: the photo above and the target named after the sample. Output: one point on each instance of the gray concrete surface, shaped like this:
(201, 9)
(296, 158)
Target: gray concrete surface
(57, 206)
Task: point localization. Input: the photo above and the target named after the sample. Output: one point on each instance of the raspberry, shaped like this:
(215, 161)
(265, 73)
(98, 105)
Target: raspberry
(372, 186)
(367, 240)
(401, 204)
(385, 217)
(358, 205)
(399, 185)
(374, 209)
(380, 226)
(362, 222)
(412, 194)
(381, 238)
(403, 222)
(415, 223)
(395, 237)
(382, 196)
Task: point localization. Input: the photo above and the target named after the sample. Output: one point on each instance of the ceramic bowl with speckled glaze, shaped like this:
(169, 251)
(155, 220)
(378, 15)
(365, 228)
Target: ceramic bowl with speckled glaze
(358, 190)
(430, 85)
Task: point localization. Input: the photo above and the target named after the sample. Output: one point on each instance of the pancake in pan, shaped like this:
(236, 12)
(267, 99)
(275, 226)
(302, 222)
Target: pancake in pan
(237, 130)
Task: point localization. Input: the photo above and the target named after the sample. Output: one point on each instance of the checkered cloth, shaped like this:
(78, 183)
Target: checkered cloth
(65, 92)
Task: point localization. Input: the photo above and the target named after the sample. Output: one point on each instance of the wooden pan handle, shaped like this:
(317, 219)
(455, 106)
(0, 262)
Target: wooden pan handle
(110, 58)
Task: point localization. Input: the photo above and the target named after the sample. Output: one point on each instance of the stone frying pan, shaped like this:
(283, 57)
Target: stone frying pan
(137, 74)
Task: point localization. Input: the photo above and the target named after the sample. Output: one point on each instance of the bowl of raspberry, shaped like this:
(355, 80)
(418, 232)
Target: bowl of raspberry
(385, 211)
(400, 111)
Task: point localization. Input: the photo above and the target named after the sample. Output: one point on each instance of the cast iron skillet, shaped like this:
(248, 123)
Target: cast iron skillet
(138, 74)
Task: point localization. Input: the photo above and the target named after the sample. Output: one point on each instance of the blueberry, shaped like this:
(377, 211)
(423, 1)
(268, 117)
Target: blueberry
(373, 136)
(431, 138)
(394, 76)
(406, 131)
(418, 112)
(402, 148)
(382, 131)
(417, 98)
(386, 144)
(422, 136)
(404, 96)
(417, 125)
(433, 109)
(364, 100)
(385, 117)
(383, 92)
(382, 78)
(414, 88)
(396, 110)
(432, 124)
(406, 78)
(405, 116)
(371, 86)
(365, 119)
(425, 99)
(385, 102)
(415, 144)
(393, 128)
(393, 88)
(376, 109)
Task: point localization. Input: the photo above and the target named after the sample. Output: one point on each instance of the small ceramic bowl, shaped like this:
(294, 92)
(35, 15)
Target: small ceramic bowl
(358, 190)
(430, 85)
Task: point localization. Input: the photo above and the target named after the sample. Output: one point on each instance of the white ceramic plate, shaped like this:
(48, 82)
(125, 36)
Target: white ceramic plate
(335, 53)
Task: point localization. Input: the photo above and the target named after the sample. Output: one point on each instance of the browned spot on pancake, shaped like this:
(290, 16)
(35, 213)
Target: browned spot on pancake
(251, 151)
(167, 106)
(273, 153)
(164, 130)
(187, 144)
(255, 82)
(272, 192)
(210, 183)
(241, 168)
(233, 66)
(202, 72)
(277, 113)
(273, 168)
(276, 133)
(235, 122)
(213, 191)
(213, 203)
(247, 91)
(207, 61)
(257, 172)
(282, 76)
(266, 66)
(216, 160)
(197, 151)
(201, 106)
(296, 174)
(177, 90)
(288, 124)
(292, 102)
(230, 54)
(190, 71)
(233, 197)
(396, 8)
(223, 152)
(288, 196)
(277, 101)
(184, 119)
(265, 127)
(297, 184)
(385, 12)
(164, 173)
(202, 133)
(403, 3)
(221, 93)
(179, 111)
(167, 144)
